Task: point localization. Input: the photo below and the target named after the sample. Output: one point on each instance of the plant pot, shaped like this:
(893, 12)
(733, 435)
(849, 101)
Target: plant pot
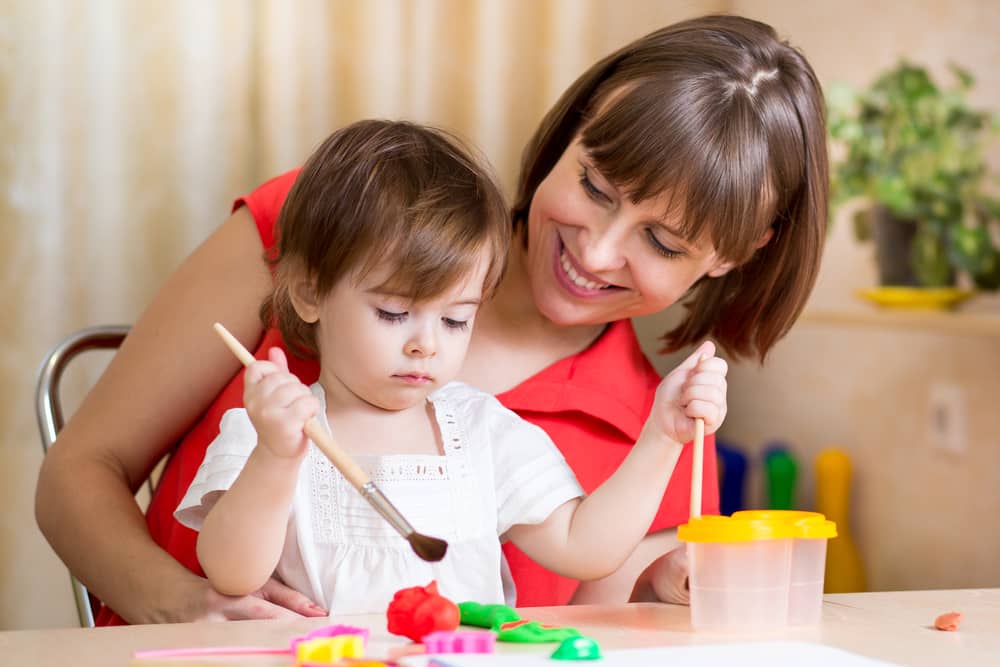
(893, 246)
(909, 253)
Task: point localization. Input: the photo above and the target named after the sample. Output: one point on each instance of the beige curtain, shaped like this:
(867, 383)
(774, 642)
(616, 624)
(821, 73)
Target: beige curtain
(129, 127)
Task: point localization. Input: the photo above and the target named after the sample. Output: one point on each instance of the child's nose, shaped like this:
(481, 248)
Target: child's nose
(421, 345)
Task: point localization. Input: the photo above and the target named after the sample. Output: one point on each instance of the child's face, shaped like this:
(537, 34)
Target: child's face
(387, 351)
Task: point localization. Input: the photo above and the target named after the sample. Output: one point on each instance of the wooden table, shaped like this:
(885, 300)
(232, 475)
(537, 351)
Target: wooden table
(894, 627)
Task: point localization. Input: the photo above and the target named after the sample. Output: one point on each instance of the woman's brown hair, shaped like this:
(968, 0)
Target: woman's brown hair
(728, 120)
(378, 191)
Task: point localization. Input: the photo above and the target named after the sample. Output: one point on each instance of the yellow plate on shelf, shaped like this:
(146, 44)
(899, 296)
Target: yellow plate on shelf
(915, 297)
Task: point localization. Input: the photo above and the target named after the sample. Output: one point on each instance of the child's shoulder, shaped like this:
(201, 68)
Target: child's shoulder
(465, 397)
(472, 406)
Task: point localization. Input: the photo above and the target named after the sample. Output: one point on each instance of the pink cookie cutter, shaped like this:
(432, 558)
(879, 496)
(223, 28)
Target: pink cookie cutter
(460, 641)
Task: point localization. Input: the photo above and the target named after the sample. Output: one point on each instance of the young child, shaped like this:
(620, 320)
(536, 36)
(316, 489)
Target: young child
(389, 241)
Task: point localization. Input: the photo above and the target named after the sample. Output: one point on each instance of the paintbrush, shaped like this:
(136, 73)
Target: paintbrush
(428, 548)
(697, 457)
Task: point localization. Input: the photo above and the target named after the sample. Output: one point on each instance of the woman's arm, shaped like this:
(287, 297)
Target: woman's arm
(169, 368)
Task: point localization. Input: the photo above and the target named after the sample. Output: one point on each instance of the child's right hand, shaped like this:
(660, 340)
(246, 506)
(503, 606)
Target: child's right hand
(279, 405)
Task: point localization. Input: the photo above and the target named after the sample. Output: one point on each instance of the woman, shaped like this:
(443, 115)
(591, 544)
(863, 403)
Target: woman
(690, 162)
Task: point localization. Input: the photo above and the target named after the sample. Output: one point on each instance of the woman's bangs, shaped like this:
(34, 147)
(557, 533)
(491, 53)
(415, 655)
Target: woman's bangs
(709, 164)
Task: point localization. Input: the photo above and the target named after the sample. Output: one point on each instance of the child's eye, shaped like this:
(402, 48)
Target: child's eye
(390, 316)
(459, 325)
(659, 247)
(592, 190)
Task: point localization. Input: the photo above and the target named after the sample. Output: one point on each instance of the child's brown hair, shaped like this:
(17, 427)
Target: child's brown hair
(729, 120)
(379, 191)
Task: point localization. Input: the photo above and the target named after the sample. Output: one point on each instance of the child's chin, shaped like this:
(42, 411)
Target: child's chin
(403, 400)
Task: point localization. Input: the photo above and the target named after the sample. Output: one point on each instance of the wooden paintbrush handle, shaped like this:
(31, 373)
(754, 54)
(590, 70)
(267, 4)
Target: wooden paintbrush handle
(697, 458)
(338, 457)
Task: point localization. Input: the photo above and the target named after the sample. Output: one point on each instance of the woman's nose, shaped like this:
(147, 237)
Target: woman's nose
(602, 247)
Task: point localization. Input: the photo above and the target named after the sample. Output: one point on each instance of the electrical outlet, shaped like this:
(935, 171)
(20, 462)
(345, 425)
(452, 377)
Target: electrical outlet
(946, 418)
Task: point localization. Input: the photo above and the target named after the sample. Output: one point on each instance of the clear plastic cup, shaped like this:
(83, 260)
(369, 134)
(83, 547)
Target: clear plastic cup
(811, 531)
(739, 572)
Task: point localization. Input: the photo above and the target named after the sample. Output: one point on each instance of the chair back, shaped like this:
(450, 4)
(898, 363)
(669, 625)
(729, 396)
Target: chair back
(48, 409)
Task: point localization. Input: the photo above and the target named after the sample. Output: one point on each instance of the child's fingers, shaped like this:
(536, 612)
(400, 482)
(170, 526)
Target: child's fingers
(705, 380)
(715, 365)
(711, 413)
(704, 392)
(272, 381)
(277, 357)
(703, 351)
(259, 370)
(286, 393)
(304, 408)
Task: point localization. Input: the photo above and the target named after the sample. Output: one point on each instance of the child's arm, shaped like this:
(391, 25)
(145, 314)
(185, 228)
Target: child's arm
(590, 538)
(244, 533)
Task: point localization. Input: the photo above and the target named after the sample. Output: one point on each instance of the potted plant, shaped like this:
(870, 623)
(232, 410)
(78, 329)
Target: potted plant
(915, 152)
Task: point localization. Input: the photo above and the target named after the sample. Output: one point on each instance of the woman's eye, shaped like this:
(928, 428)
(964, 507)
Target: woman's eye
(592, 190)
(659, 247)
(390, 316)
(459, 325)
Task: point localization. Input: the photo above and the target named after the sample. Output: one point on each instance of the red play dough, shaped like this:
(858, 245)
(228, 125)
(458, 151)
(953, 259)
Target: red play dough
(418, 611)
(949, 621)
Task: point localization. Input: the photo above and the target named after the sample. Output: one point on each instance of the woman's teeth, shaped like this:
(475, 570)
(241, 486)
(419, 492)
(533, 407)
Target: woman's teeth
(576, 278)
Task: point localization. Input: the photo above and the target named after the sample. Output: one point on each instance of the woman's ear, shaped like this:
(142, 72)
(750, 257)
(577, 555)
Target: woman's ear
(723, 268)
(302, 292)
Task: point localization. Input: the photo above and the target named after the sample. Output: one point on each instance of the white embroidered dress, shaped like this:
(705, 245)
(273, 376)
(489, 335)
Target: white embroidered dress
(497, 471)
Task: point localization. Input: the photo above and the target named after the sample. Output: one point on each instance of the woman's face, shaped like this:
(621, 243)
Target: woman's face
(595, 257)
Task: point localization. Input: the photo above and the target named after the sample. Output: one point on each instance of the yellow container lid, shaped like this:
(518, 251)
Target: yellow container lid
(731, 529)
(812, 525)
(815, 527)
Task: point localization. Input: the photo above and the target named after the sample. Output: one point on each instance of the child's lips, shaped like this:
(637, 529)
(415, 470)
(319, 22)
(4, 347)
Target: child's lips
(414, 378)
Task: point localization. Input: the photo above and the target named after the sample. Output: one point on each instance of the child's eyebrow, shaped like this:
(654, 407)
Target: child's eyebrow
(393, 295)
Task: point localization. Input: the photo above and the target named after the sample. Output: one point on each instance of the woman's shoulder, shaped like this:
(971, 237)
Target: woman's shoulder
(265, 202)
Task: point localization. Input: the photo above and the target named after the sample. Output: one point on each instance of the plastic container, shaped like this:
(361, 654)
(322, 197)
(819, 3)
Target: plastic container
(740, 571)
(810, 533)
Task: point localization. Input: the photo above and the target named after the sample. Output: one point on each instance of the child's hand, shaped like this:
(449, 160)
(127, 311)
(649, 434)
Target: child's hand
(696, 388)
(279, 405)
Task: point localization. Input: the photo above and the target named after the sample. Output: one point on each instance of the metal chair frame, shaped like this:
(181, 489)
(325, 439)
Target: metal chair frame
(48, 408)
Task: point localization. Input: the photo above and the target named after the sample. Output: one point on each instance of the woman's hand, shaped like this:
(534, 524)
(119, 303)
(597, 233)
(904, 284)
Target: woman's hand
(193, 599)
(273, 600)
(695, 389)
(279, 405)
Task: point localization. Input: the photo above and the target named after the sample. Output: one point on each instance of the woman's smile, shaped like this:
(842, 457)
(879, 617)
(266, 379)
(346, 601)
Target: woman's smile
(574, 278)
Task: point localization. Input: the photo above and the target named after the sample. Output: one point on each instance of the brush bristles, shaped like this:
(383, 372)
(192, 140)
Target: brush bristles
(430, 549)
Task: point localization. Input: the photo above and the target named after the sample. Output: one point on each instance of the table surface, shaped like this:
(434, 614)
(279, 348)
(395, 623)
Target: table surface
(892, 626)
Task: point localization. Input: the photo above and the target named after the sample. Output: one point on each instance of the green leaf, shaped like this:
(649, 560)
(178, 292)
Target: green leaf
(964, 77)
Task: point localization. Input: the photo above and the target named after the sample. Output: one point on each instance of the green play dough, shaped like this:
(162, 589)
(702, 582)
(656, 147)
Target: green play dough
(486, 615)
(577, 648)
(532, 632)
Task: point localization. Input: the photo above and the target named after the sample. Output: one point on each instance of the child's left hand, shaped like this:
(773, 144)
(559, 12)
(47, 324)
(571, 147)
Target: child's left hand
(696, 388)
